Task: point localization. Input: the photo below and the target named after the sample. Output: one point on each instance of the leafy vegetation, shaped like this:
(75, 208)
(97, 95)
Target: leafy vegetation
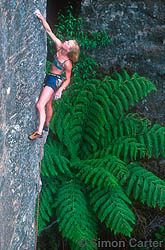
(92, 167)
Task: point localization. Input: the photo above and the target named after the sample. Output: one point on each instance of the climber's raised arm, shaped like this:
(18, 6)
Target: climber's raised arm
(48, 29)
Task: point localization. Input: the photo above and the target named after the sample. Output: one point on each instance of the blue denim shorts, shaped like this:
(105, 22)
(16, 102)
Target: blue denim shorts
(53, 81)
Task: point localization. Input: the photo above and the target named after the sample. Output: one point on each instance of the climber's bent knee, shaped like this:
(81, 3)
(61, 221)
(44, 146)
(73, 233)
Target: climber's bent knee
(39, 106)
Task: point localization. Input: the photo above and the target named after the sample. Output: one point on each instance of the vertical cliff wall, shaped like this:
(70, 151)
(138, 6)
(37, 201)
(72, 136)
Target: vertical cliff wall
(137, 32)
(22, 68)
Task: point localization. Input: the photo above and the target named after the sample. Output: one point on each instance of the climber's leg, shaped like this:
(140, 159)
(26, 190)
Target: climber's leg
(49, 111)
(45, 97)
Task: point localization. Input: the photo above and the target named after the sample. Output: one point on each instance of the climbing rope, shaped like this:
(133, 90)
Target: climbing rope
(38, 199)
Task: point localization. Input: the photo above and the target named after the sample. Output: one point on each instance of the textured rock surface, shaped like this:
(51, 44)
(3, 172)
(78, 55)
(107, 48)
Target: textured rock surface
(22, 67)
(137, 32)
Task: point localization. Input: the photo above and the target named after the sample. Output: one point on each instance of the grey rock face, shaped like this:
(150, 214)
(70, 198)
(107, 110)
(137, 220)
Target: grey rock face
(22, 70)
(137, 32)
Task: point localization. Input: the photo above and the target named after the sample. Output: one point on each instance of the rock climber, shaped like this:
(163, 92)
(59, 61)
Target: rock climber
(67, 53)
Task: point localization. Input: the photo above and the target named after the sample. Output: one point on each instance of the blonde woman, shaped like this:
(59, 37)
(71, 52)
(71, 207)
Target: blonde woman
(67, 53)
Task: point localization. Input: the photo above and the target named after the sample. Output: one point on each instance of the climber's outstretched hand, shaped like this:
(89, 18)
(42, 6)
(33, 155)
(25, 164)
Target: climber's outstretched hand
(38, 14)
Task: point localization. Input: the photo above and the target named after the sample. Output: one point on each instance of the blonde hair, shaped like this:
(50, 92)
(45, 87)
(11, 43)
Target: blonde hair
(74, 53)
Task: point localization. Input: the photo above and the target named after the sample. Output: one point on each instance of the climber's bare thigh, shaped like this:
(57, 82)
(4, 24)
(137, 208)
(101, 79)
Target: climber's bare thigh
(46, 96)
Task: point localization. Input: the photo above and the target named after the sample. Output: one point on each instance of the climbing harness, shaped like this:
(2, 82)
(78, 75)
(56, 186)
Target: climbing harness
(36, 222)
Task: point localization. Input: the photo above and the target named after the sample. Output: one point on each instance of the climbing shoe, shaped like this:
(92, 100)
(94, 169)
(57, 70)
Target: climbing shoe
(46, 128)
(34, 136)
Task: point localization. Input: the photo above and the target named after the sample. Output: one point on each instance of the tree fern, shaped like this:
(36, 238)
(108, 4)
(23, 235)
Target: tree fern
(89, 172)
(91, 155)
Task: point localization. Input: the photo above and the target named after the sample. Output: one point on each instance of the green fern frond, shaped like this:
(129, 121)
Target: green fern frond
(104, 102)
(128, 93)
(53, 162)
(139, 88)
(112, 209)
(93, 125)
(58, 119)
(117, 167)
(127, 148)
(93, 132)
(98, 177)
(125, 76)
(133, 87)
(121, 95)
(91, 87)
(154, 140)
(146, 186)
(46, 201)
(157, 133)
(129, 125)
(80, 110)
(105, 171)
(117, 77)
(99, 111)
(88, 139)
(114, 110)
(74, 218)
(113, 83)
(107, 87)
(118, 103)
(47, 162)
(105, 91)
